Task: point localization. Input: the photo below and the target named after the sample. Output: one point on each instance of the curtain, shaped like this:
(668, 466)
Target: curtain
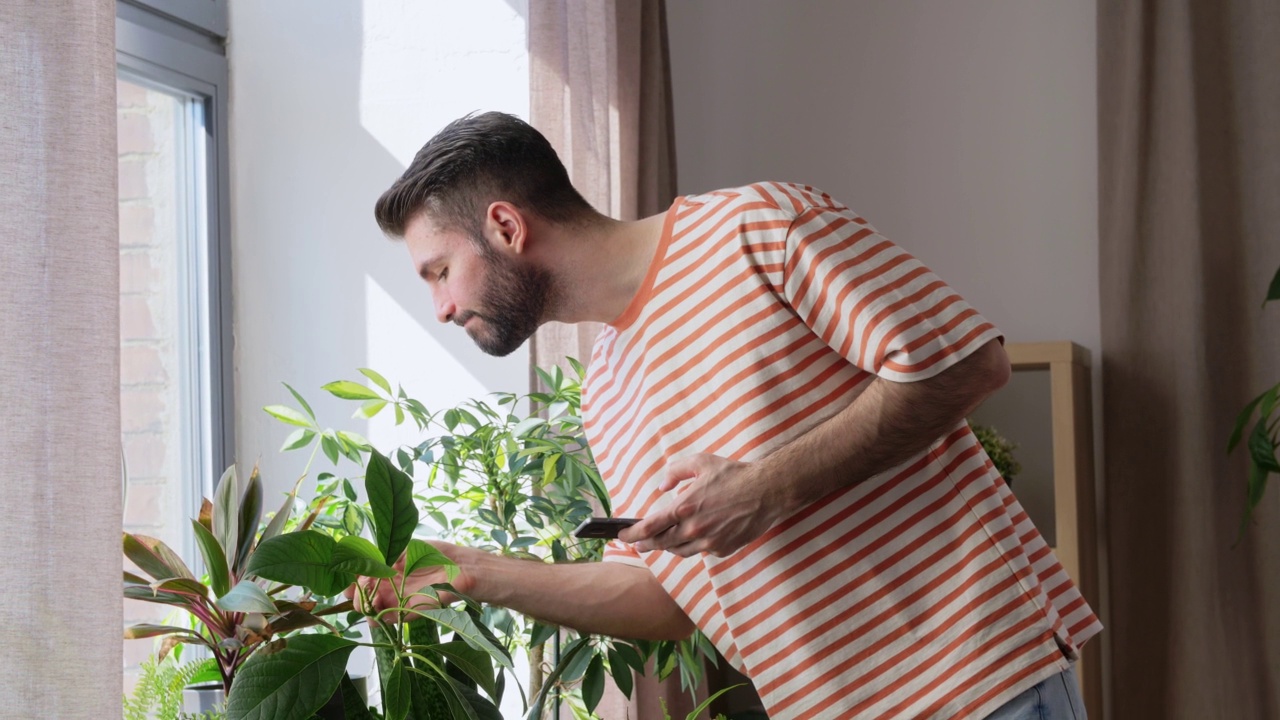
(600, 90)
(1189, 161)
(60, 611)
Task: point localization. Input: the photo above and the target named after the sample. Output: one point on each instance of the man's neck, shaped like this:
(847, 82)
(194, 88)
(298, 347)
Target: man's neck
(600, 267)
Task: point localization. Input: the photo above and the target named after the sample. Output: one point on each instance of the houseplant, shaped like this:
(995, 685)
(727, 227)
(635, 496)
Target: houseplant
(488, 476)
(233, 614)
(1265, 436)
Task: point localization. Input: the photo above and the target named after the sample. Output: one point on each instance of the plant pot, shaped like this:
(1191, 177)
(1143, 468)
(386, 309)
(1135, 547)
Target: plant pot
(202, 698)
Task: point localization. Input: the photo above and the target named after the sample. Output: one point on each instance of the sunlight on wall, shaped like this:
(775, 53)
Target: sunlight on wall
(404, 352)
(427, 63)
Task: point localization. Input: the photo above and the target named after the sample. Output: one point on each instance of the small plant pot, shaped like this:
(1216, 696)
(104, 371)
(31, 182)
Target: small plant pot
(203, 698)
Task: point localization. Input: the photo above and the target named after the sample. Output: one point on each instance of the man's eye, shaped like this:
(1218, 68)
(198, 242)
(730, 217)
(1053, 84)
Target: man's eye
(444, 274)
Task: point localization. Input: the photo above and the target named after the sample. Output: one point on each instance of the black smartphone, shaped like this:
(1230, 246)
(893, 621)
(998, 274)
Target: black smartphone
(607, 528)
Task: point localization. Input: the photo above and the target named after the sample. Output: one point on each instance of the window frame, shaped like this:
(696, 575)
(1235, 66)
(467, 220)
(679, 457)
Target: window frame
(154, 47)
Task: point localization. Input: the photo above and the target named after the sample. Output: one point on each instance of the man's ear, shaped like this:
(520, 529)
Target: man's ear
(505, 225)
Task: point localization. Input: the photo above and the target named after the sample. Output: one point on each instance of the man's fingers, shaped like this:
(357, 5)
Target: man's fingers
(649, 527)
(680, 469)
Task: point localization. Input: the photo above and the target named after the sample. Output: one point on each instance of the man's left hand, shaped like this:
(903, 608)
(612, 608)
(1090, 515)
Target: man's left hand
(723, 506)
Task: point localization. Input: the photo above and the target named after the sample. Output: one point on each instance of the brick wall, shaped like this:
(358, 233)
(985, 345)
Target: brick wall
(152, 413)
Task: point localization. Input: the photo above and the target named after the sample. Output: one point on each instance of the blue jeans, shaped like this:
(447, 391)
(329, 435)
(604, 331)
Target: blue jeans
(1057, 697)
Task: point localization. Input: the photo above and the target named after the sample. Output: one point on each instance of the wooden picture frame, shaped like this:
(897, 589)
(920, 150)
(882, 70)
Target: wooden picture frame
(1075, 513)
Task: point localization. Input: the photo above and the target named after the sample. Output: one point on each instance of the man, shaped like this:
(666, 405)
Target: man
(780, 393)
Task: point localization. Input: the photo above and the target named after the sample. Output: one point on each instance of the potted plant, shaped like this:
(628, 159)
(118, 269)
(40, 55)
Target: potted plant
(485, 476)
(233, 612)
(1265, 436)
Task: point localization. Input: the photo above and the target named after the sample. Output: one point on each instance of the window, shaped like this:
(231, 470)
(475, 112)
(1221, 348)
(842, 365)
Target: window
(175, 380)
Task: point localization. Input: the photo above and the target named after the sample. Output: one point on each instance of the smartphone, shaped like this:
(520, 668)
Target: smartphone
(607, 528)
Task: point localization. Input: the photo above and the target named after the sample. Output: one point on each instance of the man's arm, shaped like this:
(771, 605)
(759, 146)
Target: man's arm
(728, 504)
(604, 598)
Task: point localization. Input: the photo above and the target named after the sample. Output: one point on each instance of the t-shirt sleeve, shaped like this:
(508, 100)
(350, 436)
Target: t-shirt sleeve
(618, 551)
(873, 302)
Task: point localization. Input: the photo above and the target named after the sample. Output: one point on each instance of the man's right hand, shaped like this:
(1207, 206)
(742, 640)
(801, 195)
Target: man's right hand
(416, 587)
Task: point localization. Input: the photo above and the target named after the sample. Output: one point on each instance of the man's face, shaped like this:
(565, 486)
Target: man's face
(499, 300)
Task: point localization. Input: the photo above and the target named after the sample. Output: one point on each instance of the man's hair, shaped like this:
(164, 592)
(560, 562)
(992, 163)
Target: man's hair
(474, 161)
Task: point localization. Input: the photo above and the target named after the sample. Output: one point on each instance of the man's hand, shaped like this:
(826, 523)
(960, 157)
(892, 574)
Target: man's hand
(415, 588)
(723, 506)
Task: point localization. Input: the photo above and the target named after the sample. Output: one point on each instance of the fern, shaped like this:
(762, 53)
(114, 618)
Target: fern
(158, 694)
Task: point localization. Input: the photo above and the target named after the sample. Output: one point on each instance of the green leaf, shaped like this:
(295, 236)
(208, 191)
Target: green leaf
(398, 694)
(146, 594)
(250, 518)
(358, 556)
(1261, 450)
(395, 516)
(299, 438)
(288, 415)
(300, 558)
(541, 634)
(353, 707)
(1243, 418)
(593, 684)
(369, 408)
(707, 703)
(247, 597)
(301, 401)
(348, 390)
(226, 512)
(473, 663)
(421, 554)
(189, 587)
(355, 440)
(330, 447)
(462, 624)
(214, 560)
(377, 379)
(578, 370)
(276, 526)
(146, 630)
(1273, 293)
(289, 679)
(399, 415)
(575, 668)
(154, 558)
(352, 522)
(620, 669)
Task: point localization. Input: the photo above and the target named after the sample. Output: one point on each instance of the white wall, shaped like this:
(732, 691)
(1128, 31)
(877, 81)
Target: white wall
(329, 103)
(963, 131)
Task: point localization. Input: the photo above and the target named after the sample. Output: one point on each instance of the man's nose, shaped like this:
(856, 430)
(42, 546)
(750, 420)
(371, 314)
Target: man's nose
(445, 309)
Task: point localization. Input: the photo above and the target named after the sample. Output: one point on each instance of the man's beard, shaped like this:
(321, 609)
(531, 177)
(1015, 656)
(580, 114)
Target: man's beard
(513, 304)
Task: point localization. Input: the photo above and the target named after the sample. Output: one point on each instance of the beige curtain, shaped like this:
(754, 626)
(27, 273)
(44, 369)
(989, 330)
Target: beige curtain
(600, 90)
(1189, 132)
(60, 609)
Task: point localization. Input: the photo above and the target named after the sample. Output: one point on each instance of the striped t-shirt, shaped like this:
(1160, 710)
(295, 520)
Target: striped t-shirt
(923, 592)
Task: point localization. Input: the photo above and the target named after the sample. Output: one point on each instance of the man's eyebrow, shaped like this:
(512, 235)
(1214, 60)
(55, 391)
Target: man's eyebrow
(424, 269)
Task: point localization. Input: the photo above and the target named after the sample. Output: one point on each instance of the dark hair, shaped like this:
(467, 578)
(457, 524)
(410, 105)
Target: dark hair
(474, 161)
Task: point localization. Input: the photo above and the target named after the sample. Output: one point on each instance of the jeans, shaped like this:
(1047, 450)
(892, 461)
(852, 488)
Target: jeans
(1057, 697)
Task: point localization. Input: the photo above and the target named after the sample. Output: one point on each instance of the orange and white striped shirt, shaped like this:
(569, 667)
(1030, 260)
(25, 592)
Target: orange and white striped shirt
(923, 592)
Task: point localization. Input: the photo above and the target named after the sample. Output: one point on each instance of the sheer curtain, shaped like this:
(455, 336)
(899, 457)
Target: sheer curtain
(60, 611)
(600, 91)
(1189, 132)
